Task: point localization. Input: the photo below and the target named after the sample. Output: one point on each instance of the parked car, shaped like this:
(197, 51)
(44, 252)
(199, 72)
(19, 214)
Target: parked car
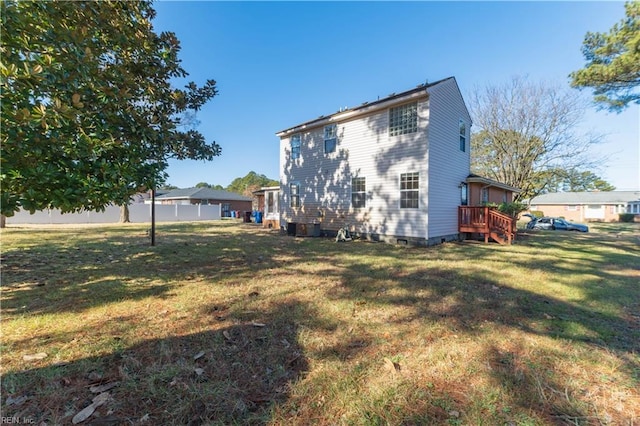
(556, 224)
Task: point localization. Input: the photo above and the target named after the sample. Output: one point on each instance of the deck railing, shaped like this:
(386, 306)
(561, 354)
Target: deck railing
(488, 221)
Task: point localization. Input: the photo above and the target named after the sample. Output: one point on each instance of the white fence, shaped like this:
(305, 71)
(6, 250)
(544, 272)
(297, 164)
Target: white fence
(138, 213)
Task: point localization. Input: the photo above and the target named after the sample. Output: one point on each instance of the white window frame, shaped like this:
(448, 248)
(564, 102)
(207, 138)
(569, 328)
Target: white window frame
(296, 144)
(403, 119)
(360, 195)
(409, 183)
(463, 136)
(294, 196)
(330, 137)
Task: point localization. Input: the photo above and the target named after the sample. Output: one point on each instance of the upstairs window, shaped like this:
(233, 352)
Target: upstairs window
(294, 191)
(295, 146)
(330, 138)
(463, 136)
(403, 119)
(409, 186)
(358, 192)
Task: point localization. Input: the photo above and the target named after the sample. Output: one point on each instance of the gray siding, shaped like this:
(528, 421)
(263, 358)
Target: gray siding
(448, 165)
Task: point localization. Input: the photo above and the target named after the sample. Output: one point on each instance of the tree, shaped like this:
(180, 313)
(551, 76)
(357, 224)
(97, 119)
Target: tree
(203, 185)
(561, 180)
(527, 133)
(613, 62)
(251, 182)
(89, 115)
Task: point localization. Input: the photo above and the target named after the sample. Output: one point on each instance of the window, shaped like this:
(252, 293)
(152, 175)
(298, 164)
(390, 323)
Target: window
(464, 194)
(330, 138)
(358, 192)
(572, 208)
(294, 190)
(463, 136)
(409, 184)
(485, 195)
(295, 146)
(270, 202)
(403, 119)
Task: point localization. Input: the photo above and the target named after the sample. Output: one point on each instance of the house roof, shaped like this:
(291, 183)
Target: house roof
(265, 189)
(365, 107)
(472, 178)
(203, 194)
(599, 197)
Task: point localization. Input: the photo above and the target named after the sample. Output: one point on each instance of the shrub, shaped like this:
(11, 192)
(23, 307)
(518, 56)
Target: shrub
(512, 209)
(626, 217)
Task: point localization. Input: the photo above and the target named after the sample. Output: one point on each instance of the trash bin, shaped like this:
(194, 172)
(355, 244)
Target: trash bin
(247, 217)
(291, 229)
(233, 213)
(258, 217)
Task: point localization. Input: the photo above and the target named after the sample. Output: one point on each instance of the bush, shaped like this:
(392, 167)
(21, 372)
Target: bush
(626, 217)
(512, 209)
(537, 213)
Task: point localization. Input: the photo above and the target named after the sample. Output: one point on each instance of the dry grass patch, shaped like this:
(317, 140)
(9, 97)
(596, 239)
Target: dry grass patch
(225, 323)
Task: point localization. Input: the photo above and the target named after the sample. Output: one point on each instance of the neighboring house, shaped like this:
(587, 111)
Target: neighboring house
(268, 205)
(587, 206)
(395, 169)
(230, 202)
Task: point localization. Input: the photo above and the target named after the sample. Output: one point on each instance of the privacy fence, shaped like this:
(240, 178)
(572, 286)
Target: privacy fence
(138, 213)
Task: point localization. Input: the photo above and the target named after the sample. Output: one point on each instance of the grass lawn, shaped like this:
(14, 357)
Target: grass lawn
(227, 323)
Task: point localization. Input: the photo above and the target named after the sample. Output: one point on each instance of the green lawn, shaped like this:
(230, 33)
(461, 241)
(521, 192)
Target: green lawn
(227, 323)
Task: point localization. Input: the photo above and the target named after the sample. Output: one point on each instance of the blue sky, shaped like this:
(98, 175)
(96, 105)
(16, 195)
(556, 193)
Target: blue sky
(278, 64)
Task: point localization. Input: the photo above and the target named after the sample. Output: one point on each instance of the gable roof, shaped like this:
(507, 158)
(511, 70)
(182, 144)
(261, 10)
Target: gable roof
(366, 107)
(596, 197)
(202, 194)
(473, 178)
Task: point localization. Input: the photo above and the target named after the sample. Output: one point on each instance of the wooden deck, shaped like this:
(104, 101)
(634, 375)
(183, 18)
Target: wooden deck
(487, 221)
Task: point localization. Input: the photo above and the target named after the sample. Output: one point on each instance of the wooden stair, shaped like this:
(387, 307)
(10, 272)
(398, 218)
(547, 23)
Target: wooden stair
(487, 221)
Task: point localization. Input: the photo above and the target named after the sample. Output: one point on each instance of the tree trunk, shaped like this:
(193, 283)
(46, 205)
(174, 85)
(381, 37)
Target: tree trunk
(124, 214)
(3, 221)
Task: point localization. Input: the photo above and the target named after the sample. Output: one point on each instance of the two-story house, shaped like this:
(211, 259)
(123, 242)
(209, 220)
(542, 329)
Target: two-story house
(395, 169)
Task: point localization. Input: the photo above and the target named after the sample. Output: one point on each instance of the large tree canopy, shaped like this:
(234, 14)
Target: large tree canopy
(89, 114)
(527, 133)
(613, 62)
(251, 182)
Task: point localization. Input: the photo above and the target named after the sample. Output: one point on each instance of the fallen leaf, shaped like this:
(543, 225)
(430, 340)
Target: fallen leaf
(103, 388)
(144, 418)
(392, 366)
(87, 411)
(199, 371)
(16, 401)
(198, 355)
(226, 335)
(34, 357)
(257, 324)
